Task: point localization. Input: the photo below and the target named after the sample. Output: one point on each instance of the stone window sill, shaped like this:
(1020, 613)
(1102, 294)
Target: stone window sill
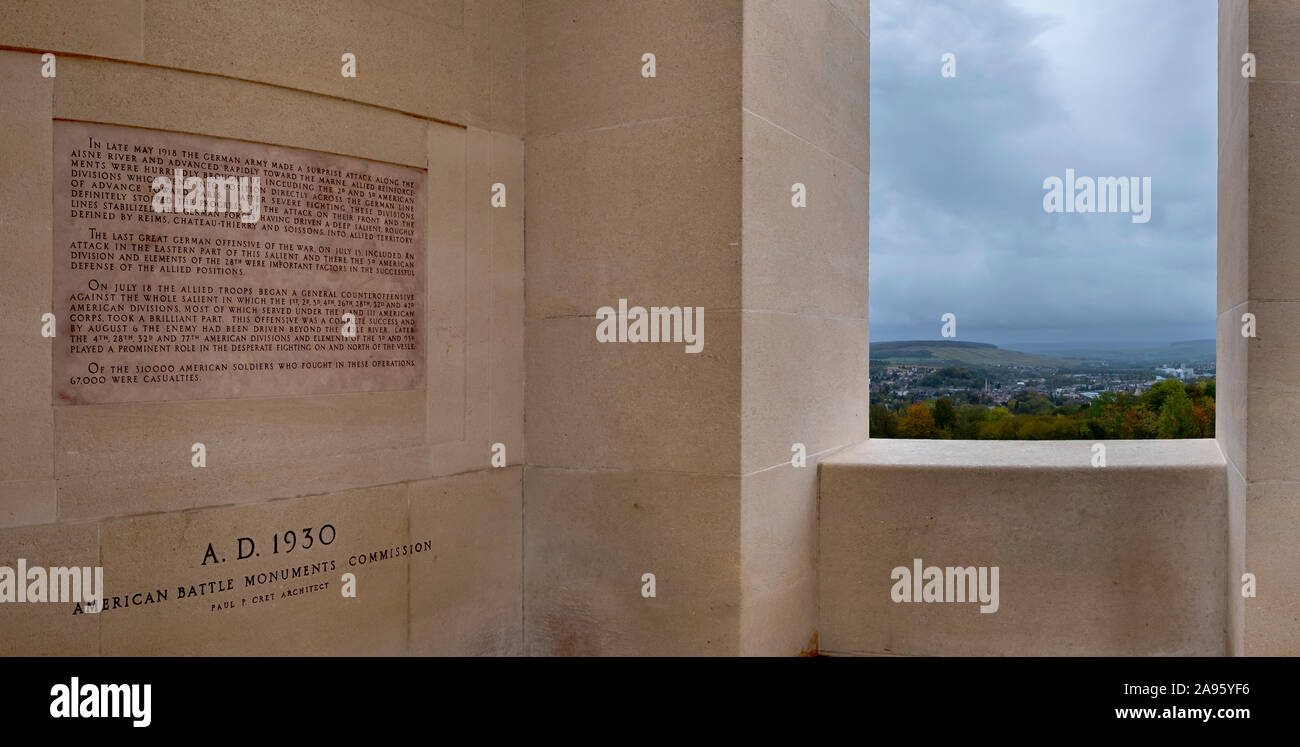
(1030, 455)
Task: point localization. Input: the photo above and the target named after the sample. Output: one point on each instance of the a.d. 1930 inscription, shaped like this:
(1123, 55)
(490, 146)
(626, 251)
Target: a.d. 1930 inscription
(189, 267)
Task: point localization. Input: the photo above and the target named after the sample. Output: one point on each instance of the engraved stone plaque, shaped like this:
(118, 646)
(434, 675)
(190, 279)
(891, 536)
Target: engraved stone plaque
(190, 267)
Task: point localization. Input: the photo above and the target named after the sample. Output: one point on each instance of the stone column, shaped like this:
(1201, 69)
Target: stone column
(804, 377)
(675, 190)
(1259, 399)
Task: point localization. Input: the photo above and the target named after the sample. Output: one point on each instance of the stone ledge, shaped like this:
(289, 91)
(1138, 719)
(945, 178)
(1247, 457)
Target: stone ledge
(1126, 560)
(1198, 453)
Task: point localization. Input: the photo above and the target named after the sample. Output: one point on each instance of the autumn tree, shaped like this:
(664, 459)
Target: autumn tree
(917, 422)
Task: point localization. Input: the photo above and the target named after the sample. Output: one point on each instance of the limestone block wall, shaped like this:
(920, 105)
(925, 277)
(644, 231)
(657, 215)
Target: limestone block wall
(1259, 144)
(634, 192)
(440, 88)
(804, 362)
(675, 190)
(668, 190)
(1125, 560)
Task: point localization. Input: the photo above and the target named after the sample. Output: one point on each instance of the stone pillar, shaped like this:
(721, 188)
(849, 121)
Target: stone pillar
(1230, 347)
(675, 190)
(1259, 411)
(804, 377)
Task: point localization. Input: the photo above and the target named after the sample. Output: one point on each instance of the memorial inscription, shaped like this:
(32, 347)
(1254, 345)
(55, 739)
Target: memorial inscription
(311, 282)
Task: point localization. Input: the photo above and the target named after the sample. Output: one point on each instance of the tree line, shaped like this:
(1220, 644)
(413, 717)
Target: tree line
(1170, 409)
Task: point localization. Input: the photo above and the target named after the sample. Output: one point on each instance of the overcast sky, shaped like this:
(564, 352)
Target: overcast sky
(1106, 87)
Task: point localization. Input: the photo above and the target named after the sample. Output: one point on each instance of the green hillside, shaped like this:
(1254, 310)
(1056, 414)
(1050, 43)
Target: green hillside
(1185, 351)
(942, 353)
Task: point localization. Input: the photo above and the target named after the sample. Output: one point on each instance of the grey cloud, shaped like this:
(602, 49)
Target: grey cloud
(1107, 87)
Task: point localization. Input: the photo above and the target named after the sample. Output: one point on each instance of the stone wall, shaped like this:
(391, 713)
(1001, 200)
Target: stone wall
(1258, 422)
(634, 191)
(671, 190)
(675, 190)
(1125, 560)
(804, 374)
(439, 87)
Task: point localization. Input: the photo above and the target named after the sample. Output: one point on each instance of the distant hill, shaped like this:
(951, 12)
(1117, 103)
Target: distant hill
(1187, 351)
(941, 353)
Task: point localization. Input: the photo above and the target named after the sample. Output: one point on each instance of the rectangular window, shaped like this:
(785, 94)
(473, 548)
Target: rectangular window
(1043, 207)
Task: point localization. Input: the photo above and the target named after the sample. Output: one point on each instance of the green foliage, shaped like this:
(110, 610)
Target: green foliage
(1170, 409)
(945, 417)
(1177, 419)
(1031, 403)
(882, 422)
(1154, 399)
(952, 377)
(969, 420)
